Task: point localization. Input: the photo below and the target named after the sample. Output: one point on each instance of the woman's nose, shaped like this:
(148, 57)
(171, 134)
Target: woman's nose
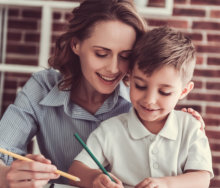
(113, 64)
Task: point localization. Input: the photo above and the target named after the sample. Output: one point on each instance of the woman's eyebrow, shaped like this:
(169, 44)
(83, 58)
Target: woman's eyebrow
(102, 48)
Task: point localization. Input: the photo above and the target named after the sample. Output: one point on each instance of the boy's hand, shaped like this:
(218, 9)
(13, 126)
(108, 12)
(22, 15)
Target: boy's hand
(152, 183)
(103, 181)
(196, 115)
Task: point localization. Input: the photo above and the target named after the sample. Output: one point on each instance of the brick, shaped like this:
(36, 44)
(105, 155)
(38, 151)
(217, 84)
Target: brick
(156, 3)
(171, 23)
(204, 97)
(13, 12)
(9, 96)
(207, 73)
(215, 183)
(215, 146)
(216, 159)
(16, 75)
(205, 2)
(59, 27)
(208, 48)
(9, 84)
(197, 84)
(215, 13)
(213, 61)
(199, 60)
(216, 171)
(194, 36)
(179, 1)
(56, 15)
(31, 14)
(206, 25)
(213, 38)
(213, 110)
(20, 61)
(32, 37)
(12, 36)
(213, 85)
(213, 134)
(188, 12)
(195, 107)
(21, 49)
(212, 122)
(22, 24)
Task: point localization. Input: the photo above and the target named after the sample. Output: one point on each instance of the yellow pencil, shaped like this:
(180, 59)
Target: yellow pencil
(16, 156)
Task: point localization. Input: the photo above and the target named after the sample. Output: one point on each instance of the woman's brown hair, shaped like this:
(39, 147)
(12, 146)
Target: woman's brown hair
(80, 26)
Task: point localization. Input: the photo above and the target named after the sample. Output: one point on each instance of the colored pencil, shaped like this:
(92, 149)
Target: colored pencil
(92, 156)
(16, 156)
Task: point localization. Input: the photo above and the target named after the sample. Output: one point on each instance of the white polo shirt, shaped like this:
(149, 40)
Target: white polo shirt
(134, 153)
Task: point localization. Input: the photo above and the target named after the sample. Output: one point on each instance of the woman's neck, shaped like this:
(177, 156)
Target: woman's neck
(88, 98)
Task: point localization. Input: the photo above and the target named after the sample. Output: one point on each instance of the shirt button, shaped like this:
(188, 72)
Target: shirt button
(155, 165)
(155, 151)
(151, 139)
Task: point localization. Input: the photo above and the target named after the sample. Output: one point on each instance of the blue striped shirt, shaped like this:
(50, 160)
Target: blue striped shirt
(43, 110)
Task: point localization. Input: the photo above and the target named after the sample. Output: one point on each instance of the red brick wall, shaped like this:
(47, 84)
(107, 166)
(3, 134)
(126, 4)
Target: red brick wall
(199, 19)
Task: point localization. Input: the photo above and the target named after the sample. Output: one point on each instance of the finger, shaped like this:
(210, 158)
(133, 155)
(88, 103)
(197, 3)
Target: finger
(184, 109)
(151, 185)
(28, 184)
(26, 175)
(39, 158)
(116, 179)
(32, 166)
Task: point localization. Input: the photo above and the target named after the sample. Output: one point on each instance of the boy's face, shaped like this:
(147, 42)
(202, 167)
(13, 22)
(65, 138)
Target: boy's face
(153, 97)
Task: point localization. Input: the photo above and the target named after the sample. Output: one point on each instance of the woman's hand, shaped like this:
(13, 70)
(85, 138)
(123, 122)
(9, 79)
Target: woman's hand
(152, 183)
(23, 174)
(196, 115)
(103, 181)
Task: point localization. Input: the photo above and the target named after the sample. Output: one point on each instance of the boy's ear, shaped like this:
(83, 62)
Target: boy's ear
(187, 89)
(75, 45)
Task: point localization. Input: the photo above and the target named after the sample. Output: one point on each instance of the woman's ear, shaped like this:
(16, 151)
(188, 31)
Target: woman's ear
(75, 45)
(187, 89)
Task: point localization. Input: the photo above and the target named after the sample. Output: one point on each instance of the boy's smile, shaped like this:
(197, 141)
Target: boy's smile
(155, 96)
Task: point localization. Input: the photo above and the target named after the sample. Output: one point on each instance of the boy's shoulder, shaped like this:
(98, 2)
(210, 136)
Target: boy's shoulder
(186, 120)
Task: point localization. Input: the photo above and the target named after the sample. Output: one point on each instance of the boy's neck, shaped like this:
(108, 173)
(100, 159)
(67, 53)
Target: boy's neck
(155, 126)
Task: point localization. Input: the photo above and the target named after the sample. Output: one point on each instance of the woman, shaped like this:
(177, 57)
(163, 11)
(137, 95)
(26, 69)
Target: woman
(92, 57)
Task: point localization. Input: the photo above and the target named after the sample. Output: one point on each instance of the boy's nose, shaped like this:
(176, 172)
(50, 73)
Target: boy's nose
(150, 97)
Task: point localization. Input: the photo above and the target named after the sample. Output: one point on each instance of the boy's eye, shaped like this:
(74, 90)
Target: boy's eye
(140, 87)
(165, 93)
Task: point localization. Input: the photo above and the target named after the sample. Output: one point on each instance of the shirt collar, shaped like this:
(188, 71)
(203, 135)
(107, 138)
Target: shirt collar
(55, 97)
(138, 131)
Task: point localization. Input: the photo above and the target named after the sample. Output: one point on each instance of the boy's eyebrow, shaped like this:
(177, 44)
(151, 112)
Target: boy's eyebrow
(161, 85)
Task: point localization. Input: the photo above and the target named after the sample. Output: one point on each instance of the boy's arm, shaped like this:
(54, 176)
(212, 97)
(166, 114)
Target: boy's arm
(190, 179)
(86, 174)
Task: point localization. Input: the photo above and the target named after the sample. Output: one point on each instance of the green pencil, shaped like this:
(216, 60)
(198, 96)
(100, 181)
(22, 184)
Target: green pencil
(93, 157)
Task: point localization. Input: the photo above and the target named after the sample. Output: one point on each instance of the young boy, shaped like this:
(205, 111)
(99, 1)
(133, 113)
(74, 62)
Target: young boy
(153, 145)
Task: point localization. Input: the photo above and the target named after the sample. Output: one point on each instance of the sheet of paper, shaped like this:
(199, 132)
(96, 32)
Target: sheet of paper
(59, 186)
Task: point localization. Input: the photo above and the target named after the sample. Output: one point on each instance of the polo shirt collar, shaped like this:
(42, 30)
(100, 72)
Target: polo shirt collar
(138, 131)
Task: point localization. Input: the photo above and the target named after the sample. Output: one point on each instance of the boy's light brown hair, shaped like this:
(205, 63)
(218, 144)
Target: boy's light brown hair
(164, 46)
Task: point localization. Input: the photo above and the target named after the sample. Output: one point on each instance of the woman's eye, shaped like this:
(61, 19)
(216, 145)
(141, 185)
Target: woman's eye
(101, 54)
(165, 93)
(140, 87)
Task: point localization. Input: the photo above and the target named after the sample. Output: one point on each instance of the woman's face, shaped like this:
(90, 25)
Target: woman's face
(104, 56)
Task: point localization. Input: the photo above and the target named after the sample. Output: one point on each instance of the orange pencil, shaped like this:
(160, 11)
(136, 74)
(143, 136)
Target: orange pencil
(16, 156)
